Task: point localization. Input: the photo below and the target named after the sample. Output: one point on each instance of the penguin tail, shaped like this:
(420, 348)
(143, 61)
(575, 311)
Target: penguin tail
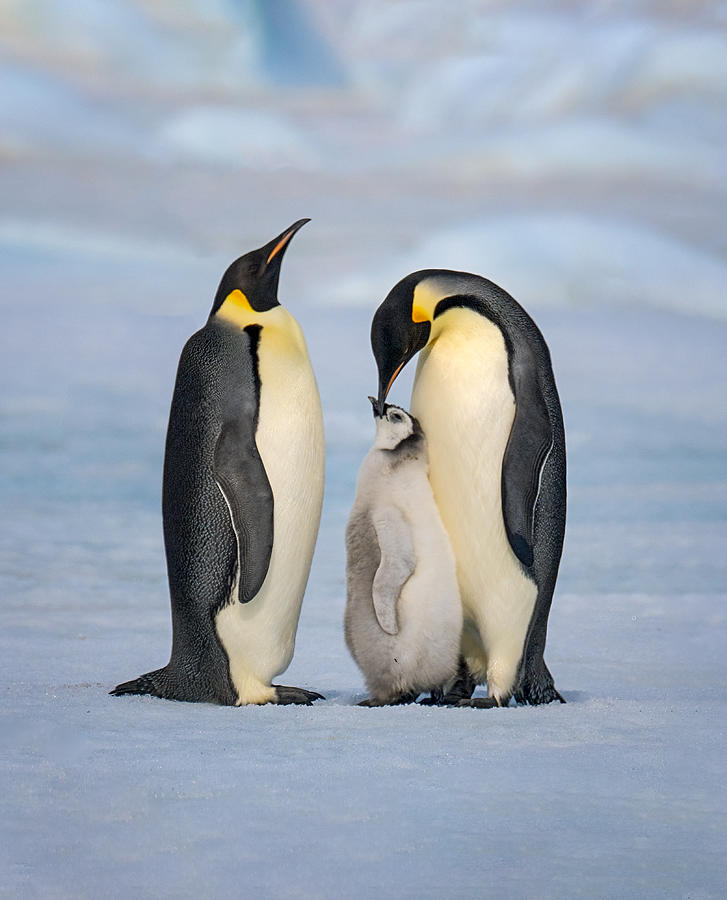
(145, 684)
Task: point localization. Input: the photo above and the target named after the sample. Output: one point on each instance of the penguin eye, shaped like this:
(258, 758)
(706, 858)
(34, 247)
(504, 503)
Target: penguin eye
(397, 417)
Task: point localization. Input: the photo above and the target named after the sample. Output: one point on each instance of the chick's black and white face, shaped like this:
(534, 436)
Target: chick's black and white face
(395, 426)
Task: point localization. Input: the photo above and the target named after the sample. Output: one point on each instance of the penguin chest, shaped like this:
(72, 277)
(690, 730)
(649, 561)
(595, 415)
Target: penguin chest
(463, 399)
(290, 441)
(259, 636)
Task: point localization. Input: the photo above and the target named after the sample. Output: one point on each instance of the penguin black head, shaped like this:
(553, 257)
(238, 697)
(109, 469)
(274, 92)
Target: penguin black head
(398, 332)
(255, 275)
(404, 322)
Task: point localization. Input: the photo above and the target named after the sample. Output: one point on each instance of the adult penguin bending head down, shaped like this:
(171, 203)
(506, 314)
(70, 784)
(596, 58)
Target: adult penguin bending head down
(486, 398)
(242, 494)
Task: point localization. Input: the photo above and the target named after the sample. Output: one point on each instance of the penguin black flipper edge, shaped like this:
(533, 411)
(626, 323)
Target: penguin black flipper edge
(530, 442)
(243, 482)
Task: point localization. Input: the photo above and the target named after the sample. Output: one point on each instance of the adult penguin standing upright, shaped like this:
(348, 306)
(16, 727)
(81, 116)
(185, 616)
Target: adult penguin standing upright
(485, 396)
(242, 494)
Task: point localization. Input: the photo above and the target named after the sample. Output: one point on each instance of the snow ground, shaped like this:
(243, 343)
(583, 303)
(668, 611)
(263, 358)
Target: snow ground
(618, 793)
(112, 241)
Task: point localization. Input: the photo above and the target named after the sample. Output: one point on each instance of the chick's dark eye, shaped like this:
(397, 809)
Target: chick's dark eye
(395, 417)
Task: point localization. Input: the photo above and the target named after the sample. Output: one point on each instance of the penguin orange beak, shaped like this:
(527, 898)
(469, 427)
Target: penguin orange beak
(278, 244)
(392, 380)
(399, 330)
(395, 339)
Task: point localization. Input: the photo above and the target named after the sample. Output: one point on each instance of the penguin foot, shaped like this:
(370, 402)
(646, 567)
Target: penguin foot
(299, 696)
(145, 684)
(537, 687)
(480, 703)
(462, 689)
(401, 700)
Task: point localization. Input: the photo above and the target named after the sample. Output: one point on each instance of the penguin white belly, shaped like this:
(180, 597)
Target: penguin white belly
(430, 617)
(259, 636)
(463, 399)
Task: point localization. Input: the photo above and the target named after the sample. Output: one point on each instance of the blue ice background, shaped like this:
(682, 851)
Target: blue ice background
(575, 153)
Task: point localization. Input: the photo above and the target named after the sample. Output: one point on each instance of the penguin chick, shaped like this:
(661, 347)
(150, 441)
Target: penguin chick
(403, 618)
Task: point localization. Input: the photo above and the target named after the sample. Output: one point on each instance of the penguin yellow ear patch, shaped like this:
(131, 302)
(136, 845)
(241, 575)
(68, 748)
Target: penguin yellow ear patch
(419, 314)
(426, 296)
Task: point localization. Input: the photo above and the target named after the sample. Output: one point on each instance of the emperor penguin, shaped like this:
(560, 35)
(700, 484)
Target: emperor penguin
(485, 395)
(242, 494)
(403, 616)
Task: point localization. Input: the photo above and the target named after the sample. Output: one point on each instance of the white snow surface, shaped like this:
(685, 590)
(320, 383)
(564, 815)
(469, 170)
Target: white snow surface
(573, 154)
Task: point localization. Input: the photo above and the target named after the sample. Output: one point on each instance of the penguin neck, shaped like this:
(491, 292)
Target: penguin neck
(433, 299)
(280, 333)
(452, 318)
(236, 310)
(410, 448)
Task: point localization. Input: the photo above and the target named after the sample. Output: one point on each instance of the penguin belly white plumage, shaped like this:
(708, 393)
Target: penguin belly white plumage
(472, 428)
(259, 636)
(403, 616)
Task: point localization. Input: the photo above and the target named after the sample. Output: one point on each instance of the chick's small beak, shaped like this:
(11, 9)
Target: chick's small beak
(378, 407)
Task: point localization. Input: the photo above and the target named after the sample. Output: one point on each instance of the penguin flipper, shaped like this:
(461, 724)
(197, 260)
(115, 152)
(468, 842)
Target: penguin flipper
(396, 565)
(243, 481)
(530, 442)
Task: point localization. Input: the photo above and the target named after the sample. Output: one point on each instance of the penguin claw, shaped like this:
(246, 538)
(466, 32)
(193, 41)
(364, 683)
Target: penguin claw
(294, 695)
